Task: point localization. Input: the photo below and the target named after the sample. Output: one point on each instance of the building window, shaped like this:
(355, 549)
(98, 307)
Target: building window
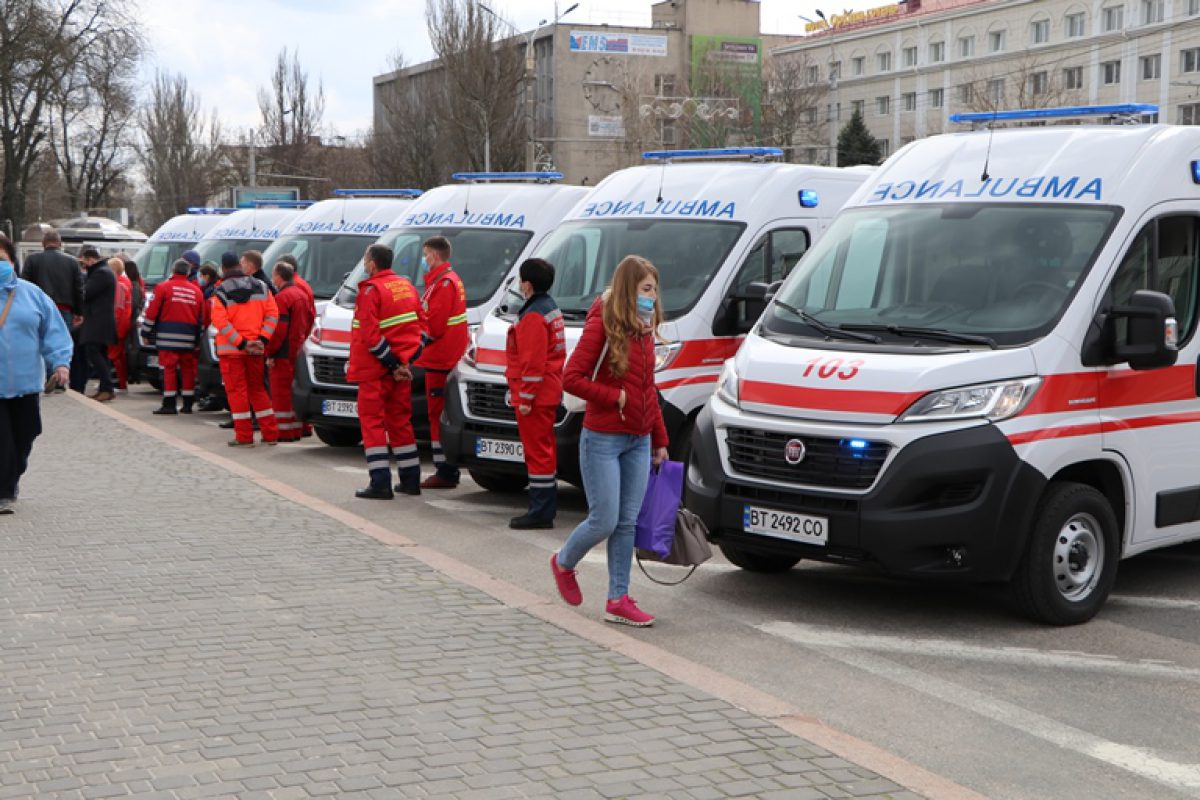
(909, 101)
(995, 91)
(1039, 31)
(666, 131)
(908, 56)
(996, 42)
(1073, 78)
(937, 50)
(966, 46)
(884, 61)
(1111, 72)
(937, 98)
(833, 112)
(858, 64)
(810, 116)
(885, 147)
(1112, 18)
(1193, 7)
(1151, 67)
(966, 94)
(1190, 61)
(858, 107)
(814, 74)
(835, 71)
(1039, 83)
(1189, 114)
(1152, 12)
(810, 155)
(664, 85)
(883, 106)
(1075, 24)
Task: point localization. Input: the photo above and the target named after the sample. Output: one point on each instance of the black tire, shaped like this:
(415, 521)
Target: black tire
(501, 482)
(154, 378)
(1070, 560)
(757, 562)
(338, 437)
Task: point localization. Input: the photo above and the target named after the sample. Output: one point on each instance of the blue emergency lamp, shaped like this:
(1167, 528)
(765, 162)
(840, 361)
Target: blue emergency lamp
(1196, 172)
(376, 192)
(480, 177)
(283, 203)
(753, 153)
(207, 210)
(808, 198)
(1063, 112)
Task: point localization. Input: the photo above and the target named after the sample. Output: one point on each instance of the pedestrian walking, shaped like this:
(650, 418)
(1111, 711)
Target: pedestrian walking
(245, 315)
(174, 323)
(122, 311)
(612, 369)
(536, 349)
(59, 276)
(34, 341)
(445, 304)
(385, 339)
(99, 331)
(296, 320)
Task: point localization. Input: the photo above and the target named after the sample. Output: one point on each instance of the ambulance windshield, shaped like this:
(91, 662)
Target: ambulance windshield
(323, 259)
(687, 254)
(988, 272)
(480, 256)
(155, 259)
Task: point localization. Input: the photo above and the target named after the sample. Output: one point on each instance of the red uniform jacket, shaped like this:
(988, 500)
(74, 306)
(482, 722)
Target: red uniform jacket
(388, 326)
(445, 303)
(296, 319)
(176, 317)
(308, 290)
(642, 414)
(536, 349)
(123, 306)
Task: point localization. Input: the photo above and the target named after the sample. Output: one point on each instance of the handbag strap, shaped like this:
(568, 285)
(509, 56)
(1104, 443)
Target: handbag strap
(7, 306)
(600, 360)
(653, 579)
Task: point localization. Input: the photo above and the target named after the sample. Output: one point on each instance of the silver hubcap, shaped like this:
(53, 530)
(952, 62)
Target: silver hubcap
(1078, 557)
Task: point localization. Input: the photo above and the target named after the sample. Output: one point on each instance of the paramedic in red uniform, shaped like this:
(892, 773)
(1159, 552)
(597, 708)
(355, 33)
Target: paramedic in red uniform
(245, 315)
(445, 304)
(175, 323)
(296, 319)
(536, 349)
(385, 338)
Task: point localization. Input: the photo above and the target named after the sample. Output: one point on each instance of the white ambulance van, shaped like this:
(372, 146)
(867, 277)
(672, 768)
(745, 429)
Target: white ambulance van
(173, 237)
(493, 221)
(986, 370)
(720, 225)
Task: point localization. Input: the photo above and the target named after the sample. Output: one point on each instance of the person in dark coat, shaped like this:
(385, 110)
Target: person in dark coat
(99, 321)
(58, 275)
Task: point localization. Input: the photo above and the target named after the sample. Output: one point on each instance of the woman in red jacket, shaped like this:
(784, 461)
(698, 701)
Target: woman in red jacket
(612, 368)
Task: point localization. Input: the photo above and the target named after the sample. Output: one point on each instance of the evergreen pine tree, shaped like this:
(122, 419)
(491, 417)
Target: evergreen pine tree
(856, 145)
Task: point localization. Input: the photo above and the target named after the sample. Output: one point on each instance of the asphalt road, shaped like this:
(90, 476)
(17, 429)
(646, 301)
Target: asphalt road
(946, 677)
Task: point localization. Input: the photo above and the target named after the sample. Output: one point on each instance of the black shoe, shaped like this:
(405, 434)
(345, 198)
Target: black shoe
(165, 411)
(374, 492)
(226, 425)
(187, 407)
(6, 505)
(209, 404)
(528, 523)
(410, 490)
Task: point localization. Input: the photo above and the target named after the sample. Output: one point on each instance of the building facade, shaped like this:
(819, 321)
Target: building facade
(908, 67)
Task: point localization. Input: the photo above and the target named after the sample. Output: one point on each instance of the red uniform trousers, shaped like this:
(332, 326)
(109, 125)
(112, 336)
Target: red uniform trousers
(385, 418)
(187, 362)
(283, 370)
(116, 354)
(435, 401)
(244, 389)
(541, 459)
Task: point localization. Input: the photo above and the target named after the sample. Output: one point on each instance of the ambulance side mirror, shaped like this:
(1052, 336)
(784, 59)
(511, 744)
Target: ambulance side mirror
(1144, 333)
(740, 310)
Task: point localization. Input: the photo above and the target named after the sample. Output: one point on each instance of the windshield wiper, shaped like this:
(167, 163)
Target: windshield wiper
(830, 331)
(940, 334)
(574, 313)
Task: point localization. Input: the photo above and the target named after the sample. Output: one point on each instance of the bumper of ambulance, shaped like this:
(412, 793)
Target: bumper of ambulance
(953, 504)
(330, 400)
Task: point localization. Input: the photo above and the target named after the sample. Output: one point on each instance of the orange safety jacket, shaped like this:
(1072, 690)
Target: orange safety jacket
(243, 311)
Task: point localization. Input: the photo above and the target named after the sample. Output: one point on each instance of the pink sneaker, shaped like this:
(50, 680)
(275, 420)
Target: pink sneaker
(568, 587)
(626, 612)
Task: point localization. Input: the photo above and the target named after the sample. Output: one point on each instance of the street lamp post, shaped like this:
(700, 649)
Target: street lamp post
(833, 95)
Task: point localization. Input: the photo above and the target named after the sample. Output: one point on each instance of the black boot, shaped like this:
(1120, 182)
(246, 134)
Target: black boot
(168, 406)
(410, 480)
(528, 522)
(379, 488)
(187, 405)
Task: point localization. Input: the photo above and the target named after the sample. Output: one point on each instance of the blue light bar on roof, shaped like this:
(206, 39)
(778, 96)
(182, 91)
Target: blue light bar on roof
(476, 177)
(1118, 109)
(377, 192)
(756, 153)
(283, 203)
(206, 210)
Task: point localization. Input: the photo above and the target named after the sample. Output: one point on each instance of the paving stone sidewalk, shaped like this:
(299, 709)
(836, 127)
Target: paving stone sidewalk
(169, 630)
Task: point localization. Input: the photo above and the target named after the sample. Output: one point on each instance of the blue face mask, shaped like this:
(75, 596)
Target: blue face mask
(645, 304)
(424, 265)
(6, 271)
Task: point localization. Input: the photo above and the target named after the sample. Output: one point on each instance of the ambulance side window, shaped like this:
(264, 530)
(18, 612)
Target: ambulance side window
(770, 260)
(787, 247)
(1163, 258)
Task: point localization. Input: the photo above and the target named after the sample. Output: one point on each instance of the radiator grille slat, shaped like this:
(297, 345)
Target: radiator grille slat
(827, 461)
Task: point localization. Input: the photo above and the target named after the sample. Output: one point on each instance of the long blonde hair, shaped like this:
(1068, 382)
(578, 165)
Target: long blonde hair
(621, 321)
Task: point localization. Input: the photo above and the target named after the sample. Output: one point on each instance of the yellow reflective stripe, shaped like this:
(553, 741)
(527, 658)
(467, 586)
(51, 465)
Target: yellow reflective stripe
(459, 320)
(354, 324)
(399, 319)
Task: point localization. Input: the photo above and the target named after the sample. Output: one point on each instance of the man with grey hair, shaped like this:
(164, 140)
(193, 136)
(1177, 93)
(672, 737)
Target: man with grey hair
(59, 275)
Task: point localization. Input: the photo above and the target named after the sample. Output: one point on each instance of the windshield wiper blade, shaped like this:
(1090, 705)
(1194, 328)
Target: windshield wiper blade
(574, 313)
(941, 334)
(830, 331)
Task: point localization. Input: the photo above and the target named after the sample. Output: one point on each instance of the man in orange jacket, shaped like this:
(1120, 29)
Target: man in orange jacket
(385, 339)
(245, 315)
(445, 304)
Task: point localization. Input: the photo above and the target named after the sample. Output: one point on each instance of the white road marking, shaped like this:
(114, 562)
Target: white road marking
(850, 650)
(1175, 603)
(349, 470)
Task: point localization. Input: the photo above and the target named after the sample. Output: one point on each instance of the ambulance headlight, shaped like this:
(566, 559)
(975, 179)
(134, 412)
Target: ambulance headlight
(727, 385)
(991, 401)
(472, 353)
(664, 354)
(315, 336)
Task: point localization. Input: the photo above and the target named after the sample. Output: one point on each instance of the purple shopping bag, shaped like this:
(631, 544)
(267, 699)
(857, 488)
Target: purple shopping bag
(655, 529)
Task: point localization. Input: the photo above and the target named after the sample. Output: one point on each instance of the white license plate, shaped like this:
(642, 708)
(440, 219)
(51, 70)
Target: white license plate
(500, 450)
(152, 362)
(785, 525)
(339, 408)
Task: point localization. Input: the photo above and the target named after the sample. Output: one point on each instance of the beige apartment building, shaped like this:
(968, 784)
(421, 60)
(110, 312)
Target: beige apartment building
(907, 67)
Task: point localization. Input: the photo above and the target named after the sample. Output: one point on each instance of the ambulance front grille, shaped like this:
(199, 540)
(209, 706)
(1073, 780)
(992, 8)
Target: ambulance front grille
(837, 463)
(486, 401)
(330, 370)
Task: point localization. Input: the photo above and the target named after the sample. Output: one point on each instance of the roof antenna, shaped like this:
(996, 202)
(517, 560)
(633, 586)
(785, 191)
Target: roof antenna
(987, 159)
(661, 177)
(467, 200)
(343, 220)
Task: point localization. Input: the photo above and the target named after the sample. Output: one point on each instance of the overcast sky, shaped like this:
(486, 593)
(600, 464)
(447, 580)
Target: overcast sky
(226, 48)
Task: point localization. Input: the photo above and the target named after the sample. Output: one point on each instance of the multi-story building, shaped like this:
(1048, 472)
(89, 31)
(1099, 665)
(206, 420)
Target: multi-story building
(908, 67)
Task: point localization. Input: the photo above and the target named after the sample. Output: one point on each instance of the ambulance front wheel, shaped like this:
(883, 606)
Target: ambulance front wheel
(338, 437)
(1070, 560)
(757, 562)
(503, 483)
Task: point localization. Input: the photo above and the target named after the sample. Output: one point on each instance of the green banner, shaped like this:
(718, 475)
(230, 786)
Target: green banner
(727, 67)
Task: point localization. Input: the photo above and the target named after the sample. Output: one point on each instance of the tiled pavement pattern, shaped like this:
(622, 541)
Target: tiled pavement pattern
(169, 630)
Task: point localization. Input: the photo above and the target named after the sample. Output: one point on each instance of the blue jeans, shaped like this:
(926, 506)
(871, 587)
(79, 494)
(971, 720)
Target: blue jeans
(616, 469)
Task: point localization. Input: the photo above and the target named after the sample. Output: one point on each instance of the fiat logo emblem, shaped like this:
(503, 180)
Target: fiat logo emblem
(508, 399)
(793, 451)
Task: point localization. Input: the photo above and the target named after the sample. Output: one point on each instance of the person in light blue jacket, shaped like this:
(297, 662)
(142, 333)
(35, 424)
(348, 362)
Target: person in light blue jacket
(33, 342)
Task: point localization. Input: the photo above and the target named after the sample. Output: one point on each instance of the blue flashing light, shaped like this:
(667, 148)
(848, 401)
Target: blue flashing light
(858, 444)
(207, 210)
(1064, 112)
(1196, 172)
(475, 177)
(756, 153)
(377, 192)
(283, 203)
(808, 198)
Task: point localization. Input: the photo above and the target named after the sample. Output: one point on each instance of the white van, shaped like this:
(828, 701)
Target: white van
(173, 237)
(493, 221)
(972, 376)
(718, 229)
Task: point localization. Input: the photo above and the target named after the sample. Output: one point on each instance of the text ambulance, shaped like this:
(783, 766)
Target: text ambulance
(493, 221)
(986, 370)
(717, 229)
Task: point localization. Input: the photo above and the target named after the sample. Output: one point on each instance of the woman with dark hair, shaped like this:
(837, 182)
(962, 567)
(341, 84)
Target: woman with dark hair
(132, 342)
(9, 253)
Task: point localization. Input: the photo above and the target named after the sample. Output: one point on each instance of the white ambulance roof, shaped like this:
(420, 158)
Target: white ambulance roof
(355, 216)
(186, 227)
(719, 191)
(514, 206)
(1134, 166)
(254, 224)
